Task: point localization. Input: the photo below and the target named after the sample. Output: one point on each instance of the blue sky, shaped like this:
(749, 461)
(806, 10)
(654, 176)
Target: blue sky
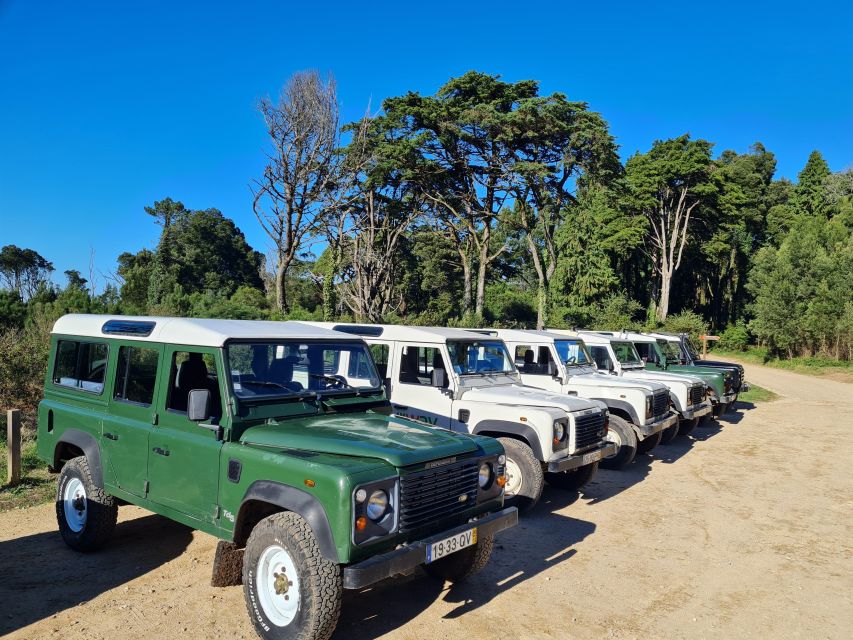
(106, 107)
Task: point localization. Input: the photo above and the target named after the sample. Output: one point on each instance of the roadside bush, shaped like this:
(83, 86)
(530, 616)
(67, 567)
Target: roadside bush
(687, 322)
(735, 338)
(614, 313)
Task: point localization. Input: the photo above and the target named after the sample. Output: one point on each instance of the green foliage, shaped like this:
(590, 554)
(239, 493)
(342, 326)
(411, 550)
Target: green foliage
(809, 195)
(687, 322)
(13, 311)
(735, 337)
(613, 312)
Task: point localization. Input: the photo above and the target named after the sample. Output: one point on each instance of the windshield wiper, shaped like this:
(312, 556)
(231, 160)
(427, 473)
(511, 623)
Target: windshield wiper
(266, 385)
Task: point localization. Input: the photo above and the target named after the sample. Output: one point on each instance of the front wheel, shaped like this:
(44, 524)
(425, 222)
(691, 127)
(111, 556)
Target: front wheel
(572, 480)
(291, 591)
(647, 444)
(524, 476)
(686, 426)
(85, 513)
(668, 434)
(463, 564)
(621, 433)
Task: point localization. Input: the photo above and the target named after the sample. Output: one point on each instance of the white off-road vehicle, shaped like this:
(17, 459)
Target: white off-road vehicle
(455, 379)
(619, 357)
(639, 409)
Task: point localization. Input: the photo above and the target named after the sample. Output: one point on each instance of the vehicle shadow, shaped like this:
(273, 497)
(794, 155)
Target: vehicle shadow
(608, 482)
(541, 540)
(41, 576)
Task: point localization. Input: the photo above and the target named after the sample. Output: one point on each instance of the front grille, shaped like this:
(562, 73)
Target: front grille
(588, 429)
(427, 495)
(697, 394)
(660, 403)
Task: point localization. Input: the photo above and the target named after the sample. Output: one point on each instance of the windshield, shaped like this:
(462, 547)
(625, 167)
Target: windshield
(691, 349)
(626, 353)
(670, 350)
(573, 352)
(477, 357)
(284, 368)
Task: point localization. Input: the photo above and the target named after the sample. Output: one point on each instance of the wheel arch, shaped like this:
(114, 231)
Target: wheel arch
(508, 429)
(73, 443)
(623, 409)
(265, 497)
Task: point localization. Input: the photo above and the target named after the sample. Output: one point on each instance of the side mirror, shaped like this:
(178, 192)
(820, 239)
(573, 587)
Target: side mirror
(610, 367)
(198, 405)
(439, 378)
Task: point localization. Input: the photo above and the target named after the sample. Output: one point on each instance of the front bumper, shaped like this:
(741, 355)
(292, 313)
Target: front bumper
(413, 554)
(696, 411)
(744, 387)
(569, 463)
(651, 428)
(728, 399)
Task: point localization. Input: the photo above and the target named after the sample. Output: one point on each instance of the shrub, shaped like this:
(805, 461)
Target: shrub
(735, 337)
(687, 322)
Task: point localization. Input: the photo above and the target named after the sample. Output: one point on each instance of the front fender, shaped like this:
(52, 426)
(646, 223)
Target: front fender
(625, 406)
(512, 428)
(298, 501)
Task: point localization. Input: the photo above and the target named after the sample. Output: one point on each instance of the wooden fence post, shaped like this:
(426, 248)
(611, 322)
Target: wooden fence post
(13, 443)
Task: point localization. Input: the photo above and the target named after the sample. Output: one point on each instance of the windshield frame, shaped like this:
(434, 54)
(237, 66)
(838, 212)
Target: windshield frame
(590, 361)
(669, 349)
(305, 393)
(488, 340)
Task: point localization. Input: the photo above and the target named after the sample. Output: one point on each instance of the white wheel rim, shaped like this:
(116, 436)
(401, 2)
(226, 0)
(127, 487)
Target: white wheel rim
(613, 436)
(514, 479)
(74, 503)
(278, 586)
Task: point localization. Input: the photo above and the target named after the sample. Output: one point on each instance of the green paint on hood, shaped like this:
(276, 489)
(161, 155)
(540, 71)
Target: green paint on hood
(397, 441)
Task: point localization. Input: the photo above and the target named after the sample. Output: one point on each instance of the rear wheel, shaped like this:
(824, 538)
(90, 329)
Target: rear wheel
(572, 480)
(686, 426)
(647, 444)
(463, 564)
(621, 433)
(524, 476)
(85, 513)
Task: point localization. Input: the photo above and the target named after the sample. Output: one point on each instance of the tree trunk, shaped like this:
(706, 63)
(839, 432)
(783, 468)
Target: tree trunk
(542, 304)
(466, 286)
(280, 283)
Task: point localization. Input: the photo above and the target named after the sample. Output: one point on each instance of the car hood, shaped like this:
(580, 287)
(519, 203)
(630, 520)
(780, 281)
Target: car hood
(615, 382)
(521, 396)
(662, 376)
(397, 441)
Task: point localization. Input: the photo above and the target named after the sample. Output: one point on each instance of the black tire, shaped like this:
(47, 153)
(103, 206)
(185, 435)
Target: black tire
(98, 509)
(461, 565)
(320, 588)
(532, 476)
(647, 444)
(718, 410)
(705, 421)
(668, 434)
(686, 426)
(622, 433)
(572, 480)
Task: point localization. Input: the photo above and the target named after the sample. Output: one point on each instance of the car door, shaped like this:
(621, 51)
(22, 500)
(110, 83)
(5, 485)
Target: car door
(183, 457)
(412, 393)
(131, 414)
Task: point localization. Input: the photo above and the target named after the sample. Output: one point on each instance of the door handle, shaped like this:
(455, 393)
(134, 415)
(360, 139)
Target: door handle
(111, 436)
(162, 452)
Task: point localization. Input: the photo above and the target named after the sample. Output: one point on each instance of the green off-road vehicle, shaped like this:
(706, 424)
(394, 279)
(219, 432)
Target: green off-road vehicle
(275, 437)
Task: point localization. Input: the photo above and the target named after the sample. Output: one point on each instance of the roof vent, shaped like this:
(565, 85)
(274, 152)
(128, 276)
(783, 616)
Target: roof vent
(359, 330)
(139, 328)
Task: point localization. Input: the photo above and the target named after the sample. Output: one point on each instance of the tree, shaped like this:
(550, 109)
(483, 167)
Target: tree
(303, 168)
(465, 168)
(809, 194)
(666, 185)
(23, 270)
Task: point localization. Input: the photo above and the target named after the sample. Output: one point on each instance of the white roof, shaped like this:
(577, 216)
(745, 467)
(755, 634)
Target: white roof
(594, 337)
(201, 332)
(532, 335)
(404, 333)
(669, 337)
(631, 336)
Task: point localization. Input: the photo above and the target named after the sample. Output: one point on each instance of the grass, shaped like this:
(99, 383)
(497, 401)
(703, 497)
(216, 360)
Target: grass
(757, 394)
(815, 366)
(37, 485)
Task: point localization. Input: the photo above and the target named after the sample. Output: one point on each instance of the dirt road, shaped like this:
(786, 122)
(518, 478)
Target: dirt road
(744, 531)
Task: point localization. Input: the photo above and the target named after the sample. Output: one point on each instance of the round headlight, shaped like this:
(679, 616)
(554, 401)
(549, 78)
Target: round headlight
(559, 431)
(377, 505)
(485, 477)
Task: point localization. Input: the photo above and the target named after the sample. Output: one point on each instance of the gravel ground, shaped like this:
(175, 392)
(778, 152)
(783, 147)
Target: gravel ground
(742, 530)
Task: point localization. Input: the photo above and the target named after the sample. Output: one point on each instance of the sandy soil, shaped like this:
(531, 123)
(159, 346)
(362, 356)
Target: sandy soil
(743, 531)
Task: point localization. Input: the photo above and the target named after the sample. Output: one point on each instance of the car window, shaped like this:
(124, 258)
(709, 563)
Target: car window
(601, 357)
(417, 363)
(136, 375)
(193, 370)
(81, 365)
(380, 358)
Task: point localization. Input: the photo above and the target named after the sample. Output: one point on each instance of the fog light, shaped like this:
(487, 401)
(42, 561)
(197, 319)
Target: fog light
(501, 481)
(360, 523)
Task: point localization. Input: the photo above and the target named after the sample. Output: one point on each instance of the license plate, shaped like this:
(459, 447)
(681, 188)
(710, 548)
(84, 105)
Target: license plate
(589, 458)
(451, 545)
